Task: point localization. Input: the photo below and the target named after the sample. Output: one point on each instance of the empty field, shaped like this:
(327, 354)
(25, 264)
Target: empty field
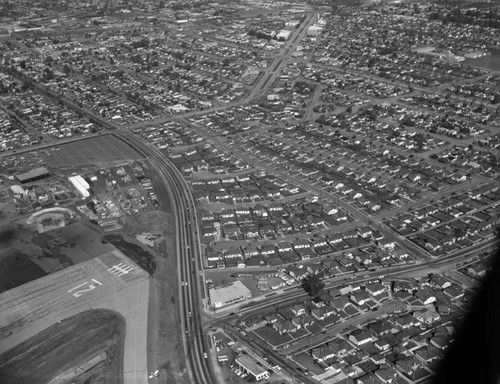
(104, 149)
(67, 346)
(16, 269)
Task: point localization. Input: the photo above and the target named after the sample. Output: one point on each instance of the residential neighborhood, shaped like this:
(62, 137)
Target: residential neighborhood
(312, 187)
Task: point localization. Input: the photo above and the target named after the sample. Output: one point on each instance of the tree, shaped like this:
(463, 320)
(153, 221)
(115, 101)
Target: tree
(313, 285)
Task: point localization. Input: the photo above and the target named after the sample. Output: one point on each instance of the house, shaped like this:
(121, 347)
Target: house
(340, 346)
(318, 302)
(296, 272)
(251, 250)
(454, 291)
(377, 358)
(371, 378)
(427, 316)
(380, 327)
(330, 209)
(319, 313)
(361, 337)
(340, 302)
(428, 354)
(323, 353)
(386, 244)
(335, 238)
(425, 296)
(267, 249)
(233, 253)
(408, 365)
(301, 244)
(405, 286)
(284, 326)
(298, 310)
(478, 270)
(405, 321)
(303, 321)
(365, 232)
(382, 344)
(271, 318)
(284, 246)
(438, 281)
(314, 269)
(375, 289)
(360, 297)
(440, 342)
(387, 374)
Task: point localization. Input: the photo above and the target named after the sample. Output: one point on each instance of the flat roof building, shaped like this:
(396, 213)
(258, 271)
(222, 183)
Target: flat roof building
(80, 184)
(229, 294)
(247, 364)
(33, 175)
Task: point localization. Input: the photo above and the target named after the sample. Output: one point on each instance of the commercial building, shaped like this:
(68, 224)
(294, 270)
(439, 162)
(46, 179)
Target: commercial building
(229, 294)
(247, 364)
(33, 175)
(80, 184)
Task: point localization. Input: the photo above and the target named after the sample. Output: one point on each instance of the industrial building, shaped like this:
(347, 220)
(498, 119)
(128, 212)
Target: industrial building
(229, 294)
(81, 185)
(33, 175)
(251, 367)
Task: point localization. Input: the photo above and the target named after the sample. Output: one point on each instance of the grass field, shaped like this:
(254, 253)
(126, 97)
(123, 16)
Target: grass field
(66, 346)
(16, 269)
(102, 150)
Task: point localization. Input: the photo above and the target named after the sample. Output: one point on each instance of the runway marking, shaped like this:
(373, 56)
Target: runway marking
(78, 286)
(120, 269)
(89, 287)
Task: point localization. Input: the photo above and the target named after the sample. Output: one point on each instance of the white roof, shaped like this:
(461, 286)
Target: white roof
(229, 293)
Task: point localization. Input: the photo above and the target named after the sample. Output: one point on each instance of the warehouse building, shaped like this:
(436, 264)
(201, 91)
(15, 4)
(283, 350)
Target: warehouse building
(251, 367)
(229, 294)
(81, 185)
(33, 175)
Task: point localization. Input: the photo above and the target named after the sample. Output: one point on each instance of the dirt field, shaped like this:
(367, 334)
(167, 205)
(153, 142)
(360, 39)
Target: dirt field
(66, 346)
(16, 267)
(145, 260)
(96, 151)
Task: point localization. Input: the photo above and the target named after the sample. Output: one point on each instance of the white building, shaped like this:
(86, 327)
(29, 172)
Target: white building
(229, 294)
(248, 365)
(81, 185)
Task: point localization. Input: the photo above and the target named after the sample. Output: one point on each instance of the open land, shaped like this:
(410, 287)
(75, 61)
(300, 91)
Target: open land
(94, 151)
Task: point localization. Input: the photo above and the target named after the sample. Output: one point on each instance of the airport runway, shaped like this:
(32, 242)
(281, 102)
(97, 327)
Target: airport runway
(111, 281)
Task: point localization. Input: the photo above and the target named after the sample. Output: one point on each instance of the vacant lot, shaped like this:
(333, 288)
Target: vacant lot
(67, 346)
(16, 269)
(95, 151)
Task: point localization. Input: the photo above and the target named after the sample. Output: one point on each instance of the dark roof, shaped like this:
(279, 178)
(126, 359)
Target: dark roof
(33, 174)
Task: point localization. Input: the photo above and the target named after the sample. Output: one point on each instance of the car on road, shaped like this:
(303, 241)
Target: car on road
(205, 355)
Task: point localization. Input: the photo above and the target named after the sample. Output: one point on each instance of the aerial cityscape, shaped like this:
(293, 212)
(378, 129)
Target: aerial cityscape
(211, 192)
